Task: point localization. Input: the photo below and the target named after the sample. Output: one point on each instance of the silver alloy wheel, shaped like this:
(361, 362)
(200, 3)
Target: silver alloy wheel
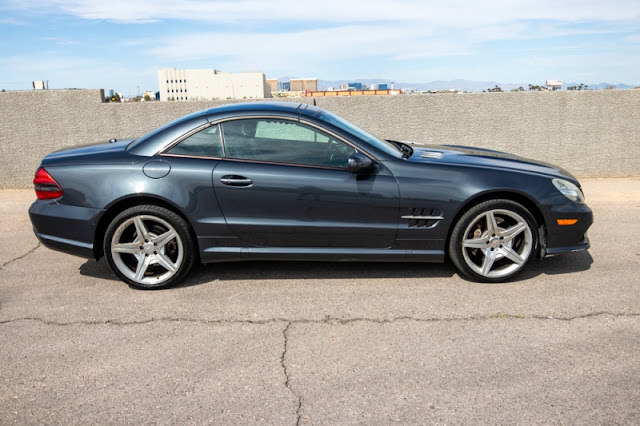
(497, 243)
(147, 249)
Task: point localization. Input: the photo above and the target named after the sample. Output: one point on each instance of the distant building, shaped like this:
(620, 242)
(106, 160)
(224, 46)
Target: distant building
(302, 84)
(273, 84)
(351, 92)
(554, 84)
(206, 84)
(380, 86)
(148, 95)
(353, 86)
(284, 86)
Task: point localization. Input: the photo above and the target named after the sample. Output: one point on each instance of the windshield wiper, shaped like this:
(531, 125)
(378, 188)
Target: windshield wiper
(406, 150)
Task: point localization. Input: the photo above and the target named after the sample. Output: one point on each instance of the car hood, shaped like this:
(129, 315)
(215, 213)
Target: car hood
(466, 155)
(87, 153)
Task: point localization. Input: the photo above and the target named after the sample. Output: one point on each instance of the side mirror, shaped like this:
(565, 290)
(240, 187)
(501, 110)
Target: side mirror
(360, 163)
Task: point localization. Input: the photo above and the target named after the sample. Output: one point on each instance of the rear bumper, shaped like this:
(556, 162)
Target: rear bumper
(69, 229)
(76, 248)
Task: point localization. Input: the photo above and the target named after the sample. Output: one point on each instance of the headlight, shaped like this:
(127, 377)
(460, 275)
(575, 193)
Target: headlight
(569, 190)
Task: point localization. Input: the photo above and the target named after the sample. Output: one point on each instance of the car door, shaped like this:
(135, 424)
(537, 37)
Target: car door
(283, 183)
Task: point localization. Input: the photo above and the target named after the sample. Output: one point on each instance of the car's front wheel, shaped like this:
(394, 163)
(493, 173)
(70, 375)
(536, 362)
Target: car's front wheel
(149, 247)
(493, 241)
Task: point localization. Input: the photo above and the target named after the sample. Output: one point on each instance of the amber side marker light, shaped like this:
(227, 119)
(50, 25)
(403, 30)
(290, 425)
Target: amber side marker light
(564, 222)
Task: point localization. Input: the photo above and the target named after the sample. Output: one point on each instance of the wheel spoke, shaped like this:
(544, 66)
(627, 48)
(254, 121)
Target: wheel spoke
(510, 254)
(514, 231)
(131, 248)
(141, 229)
(489, 259)
(165, 262)
(143, 264)
(492, 226)
(161, 240)
(478, 243)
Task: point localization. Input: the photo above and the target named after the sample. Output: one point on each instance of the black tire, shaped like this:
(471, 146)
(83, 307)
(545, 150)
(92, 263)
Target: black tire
(160, 258)
(493, 250)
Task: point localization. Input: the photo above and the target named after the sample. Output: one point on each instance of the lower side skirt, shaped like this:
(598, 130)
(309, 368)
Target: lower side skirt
(226, 254)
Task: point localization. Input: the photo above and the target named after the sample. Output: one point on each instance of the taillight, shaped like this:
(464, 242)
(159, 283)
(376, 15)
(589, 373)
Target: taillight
(46, 186)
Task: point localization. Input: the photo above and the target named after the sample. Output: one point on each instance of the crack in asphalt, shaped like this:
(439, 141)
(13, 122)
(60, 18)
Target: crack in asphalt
(287, 383)
(8, 262)
(325, 320)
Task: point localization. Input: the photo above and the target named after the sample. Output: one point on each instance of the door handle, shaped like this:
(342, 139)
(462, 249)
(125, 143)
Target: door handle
(234, 180)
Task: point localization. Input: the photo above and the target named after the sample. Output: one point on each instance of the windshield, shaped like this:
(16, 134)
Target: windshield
(384, 146)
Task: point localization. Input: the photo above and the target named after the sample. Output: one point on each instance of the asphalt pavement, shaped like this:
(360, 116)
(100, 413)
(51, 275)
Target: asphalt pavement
(325, 343)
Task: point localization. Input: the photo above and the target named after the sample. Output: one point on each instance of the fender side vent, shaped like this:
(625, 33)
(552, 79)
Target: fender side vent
(423, 218)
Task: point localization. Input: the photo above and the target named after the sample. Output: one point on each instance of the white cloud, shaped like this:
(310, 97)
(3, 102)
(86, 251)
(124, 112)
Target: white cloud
(317, 47)
(455, 13)
(404, 29)
(337, 39)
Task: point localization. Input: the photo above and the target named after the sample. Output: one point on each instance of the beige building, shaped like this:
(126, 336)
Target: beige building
(273, 84)
(207, 84)
(302, 84)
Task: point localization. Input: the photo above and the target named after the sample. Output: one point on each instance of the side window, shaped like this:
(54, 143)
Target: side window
(288, 130)
(205, 143)
(283, 141)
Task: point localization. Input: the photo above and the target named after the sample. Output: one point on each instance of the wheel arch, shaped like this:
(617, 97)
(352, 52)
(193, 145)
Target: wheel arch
(119, 206)
(518, 197)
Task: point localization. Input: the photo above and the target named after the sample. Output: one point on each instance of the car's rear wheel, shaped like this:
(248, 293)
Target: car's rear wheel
(149, 247)
(493, 241)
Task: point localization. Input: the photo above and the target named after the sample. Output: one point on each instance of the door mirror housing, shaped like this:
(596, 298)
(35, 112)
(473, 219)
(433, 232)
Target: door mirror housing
(360, 163)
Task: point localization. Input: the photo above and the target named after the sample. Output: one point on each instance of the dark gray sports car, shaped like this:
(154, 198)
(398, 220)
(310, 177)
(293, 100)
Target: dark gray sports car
(288, 181)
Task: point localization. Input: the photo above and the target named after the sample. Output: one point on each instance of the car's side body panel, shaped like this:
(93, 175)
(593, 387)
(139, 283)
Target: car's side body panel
(237, 210)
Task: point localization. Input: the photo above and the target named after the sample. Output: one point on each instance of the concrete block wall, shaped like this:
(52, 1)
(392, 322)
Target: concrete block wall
(591, 133)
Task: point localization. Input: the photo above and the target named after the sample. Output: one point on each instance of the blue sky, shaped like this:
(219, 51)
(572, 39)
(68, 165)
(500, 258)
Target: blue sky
(121, 44)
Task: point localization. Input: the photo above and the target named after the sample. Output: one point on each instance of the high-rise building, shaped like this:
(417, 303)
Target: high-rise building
(207, 84)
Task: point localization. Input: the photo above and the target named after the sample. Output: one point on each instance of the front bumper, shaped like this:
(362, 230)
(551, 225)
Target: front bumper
(583, 245)
(568, 238)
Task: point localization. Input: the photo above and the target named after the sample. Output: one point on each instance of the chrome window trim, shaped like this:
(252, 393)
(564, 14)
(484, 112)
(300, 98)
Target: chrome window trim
(179, 139)
(163, 151)
(199, 157)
